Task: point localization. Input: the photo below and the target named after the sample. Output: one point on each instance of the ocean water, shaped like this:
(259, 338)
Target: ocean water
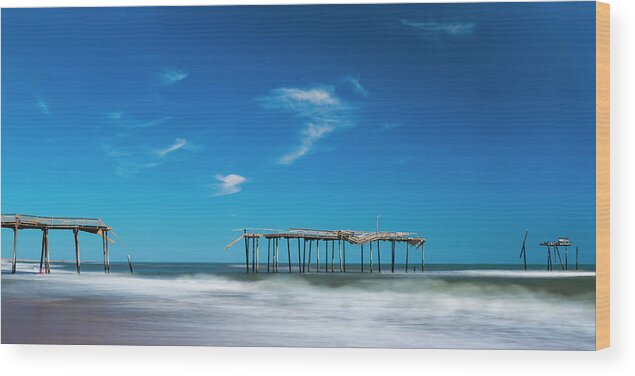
(448, 306)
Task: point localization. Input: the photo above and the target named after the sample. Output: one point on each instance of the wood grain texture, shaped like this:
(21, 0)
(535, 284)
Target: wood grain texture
(602, 170)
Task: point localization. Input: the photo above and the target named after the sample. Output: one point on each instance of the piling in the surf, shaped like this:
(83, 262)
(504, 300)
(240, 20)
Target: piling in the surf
(304, 236)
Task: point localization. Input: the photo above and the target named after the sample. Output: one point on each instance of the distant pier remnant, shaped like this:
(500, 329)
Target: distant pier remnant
(34, 222)
(304, 236)
(555, 256)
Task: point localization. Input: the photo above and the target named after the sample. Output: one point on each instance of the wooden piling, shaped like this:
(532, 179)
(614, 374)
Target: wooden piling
(361, 258)
(339, 244)
(107, 254)
(268, 253)
(308, 264)
(246, 251)
(253, 255)
(299, 259)
(77, 261)
(277, 255)
(257, 254)
(344, 254)
(392, 261)
(317, 252)
(423, 258)
(304, 256)
(289, 254)
(378, 258)
(407, 251)
(576, 258)
(46, 252)
(130, 265)
(566, 258)
(370, 261)
(15, 249)
(42, 255)
(332, 256)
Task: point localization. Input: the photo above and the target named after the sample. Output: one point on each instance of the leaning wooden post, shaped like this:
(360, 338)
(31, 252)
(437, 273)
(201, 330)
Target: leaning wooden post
(407, 251)
(130, 265)
(42, 255)
(378, 258)
(246, 250)
(103, 246)
(566, 258)
(15, 246)
(392, 263)
(548, 258)
(77, 262)
(576, 258)
(289, 254)
(48, 255)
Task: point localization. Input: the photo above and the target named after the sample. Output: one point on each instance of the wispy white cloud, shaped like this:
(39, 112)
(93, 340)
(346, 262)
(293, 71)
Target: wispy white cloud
(228, 184)
(172, 76)
(357, 86)
(178, 143)
(115, 115)
(43, 106)
(321, 110)
(441, 28)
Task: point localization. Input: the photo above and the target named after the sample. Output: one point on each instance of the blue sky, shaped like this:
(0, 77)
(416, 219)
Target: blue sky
(467, 123)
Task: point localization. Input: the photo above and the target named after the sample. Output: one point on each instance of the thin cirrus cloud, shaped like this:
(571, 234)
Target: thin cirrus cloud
(172, 76)
(432, 28)
(178, 144)
(357, 86)
(320, 109)
(42, 105)
(121, 119)
(228, 184)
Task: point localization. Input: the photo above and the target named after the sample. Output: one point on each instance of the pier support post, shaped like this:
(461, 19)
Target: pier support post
(392, 261)
(344, 254)
(253, 255)
(304, 255)
(576, 258)
(407, 251)
(47, 263)
(339, 244)
(77, 261)
(370, 262)
(42, 255)
(361, 258)
(566, 258)
(317, 254)
(246, 251)
(268, 253)
(130, 265)
(277, 253)
(332, 256)
(378, 258)
(548, 257)
(15, 249)
(299, 258)
(423, 258)
(308, 264)
(289, 254)
(257, 254)
(326, 256)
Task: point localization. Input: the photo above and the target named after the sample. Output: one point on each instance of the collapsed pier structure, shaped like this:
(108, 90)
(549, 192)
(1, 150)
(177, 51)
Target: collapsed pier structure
(555, 245)
(34, 222)
(309, 241)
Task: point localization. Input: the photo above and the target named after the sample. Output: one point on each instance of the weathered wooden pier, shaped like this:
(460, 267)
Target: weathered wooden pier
(32, 222)
(555, 246)
(335, 240)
